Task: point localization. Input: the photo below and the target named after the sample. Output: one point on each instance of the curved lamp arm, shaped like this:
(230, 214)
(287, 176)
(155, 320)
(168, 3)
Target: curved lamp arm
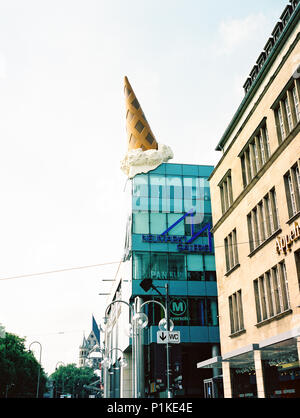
(154, 301)
(119, 301)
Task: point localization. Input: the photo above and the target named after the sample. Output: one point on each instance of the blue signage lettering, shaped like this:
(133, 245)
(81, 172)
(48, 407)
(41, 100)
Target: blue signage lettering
(184, 244)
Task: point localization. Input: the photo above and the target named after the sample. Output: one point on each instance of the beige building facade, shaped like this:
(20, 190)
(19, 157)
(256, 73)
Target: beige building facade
(255, 193)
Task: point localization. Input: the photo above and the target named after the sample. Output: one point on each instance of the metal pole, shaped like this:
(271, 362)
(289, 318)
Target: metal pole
(134, 373)
(136, 354)
(63, 378)
(168, 347)
(140, 391)
(39, 372)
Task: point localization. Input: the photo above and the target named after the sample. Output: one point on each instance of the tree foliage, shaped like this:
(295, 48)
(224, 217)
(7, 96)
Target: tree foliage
(72, 380)
(19, 369)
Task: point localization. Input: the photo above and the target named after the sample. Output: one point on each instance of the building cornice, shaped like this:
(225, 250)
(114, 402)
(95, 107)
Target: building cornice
(261, 75)
(292, 47)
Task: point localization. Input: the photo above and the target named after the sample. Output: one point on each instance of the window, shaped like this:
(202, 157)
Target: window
(140, 223)
(292, 188)
(236, 312)
(158, 223)
(212, 311)
(141, 266)
(271, 293)
(188, 311)
(177, 270)
(173, 266)
(159, 266)
(226, 192)
(281, 124)
(296, 104)
(288, 113)
(255, 154)
(263, 220)
(231, 251)
(286, 109)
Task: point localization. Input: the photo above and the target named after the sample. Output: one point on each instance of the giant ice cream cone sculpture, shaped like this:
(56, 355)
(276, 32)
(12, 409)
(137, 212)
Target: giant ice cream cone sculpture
(139, 133)
(144, 153)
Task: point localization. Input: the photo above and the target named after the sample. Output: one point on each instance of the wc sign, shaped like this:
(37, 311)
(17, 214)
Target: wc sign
(168, 337)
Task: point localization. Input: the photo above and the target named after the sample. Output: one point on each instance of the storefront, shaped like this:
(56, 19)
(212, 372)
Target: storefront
(270, 369)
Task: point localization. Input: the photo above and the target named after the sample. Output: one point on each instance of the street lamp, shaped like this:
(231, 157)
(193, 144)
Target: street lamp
(165, 324)
(108, 362)
(62, 376)
(39, 372)
(136, 323)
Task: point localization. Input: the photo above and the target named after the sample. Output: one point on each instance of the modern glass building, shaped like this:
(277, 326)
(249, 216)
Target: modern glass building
(169, 241)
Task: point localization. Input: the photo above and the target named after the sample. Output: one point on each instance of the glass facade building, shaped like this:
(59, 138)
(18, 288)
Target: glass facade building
(169, 240)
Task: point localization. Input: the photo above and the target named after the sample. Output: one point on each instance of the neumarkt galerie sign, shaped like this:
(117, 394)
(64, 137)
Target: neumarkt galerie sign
(284, 243)
(184, 244)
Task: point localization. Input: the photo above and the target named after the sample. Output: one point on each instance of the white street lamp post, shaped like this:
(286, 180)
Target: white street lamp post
(165, 322)
(136, 322)
(39, 372)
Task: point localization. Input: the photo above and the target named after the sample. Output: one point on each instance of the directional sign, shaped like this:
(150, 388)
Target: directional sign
(164, 337)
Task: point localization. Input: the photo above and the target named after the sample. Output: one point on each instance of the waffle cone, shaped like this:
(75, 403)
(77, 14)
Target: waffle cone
(139, 134)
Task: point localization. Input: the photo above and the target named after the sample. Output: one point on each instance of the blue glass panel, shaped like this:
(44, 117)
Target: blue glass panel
(207, 206)
(177, 269)
(140, 185)
(212, 311)
(141, 223)
(138, 244)
(199, 334)
(159, 266)
(205, 170)
(140, 204)
(190, 170)
(161, 169)
(210, 264)
(158, 192)
(191, 194)
(194, 262)
(141, 266)
(158, 223)
(174, 187)
(173, 169)
(179, 228)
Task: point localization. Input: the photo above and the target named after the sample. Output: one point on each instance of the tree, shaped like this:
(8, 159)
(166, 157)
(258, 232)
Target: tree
(19, 369)
(72, 380)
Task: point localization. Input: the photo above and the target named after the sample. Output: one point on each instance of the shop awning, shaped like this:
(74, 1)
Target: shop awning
(212, 363)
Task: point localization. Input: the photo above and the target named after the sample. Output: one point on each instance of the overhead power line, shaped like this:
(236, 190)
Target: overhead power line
(93, 266)
(58, 271)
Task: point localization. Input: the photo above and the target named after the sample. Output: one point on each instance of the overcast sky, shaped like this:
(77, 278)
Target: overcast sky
(62, 133)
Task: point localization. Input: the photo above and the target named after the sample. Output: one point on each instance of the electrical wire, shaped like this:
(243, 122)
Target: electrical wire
(59, 271)
(91, 266)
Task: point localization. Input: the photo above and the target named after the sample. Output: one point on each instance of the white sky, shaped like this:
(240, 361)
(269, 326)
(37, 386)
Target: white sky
(62, 133)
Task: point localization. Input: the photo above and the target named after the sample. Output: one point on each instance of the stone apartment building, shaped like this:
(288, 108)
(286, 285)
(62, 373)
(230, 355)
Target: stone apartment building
(255, 194)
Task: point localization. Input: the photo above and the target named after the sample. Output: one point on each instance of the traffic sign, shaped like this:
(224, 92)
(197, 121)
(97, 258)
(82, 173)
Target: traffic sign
(164, 337)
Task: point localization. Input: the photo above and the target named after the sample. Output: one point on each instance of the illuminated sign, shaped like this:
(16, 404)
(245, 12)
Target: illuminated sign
(178, 310)
(284, 243)
(184, 244)
(178, 307)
